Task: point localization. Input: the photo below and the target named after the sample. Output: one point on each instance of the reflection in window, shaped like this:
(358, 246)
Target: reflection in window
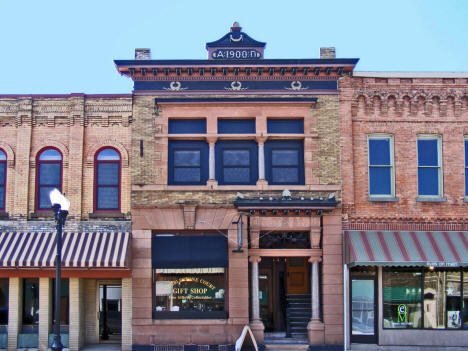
(49, 176)
(190, 291)
(236, 162)
(429, 166)
(402, 299)
(107, 180)
(380, 166)
(187, 162)
(442, 305)
(64, 301)
(4, 301)
(465, 299)
(284, 162)
(31, 301)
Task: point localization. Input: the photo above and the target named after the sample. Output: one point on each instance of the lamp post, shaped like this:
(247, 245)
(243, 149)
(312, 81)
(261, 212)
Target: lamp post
(60, 206)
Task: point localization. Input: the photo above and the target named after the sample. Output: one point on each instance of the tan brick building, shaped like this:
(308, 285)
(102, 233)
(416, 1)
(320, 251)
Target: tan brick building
(404, 173)
(79, 144)
(236, 194)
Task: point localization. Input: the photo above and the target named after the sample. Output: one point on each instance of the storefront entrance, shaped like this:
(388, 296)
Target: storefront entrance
(110, 313)
(284, 294)
(363, 305)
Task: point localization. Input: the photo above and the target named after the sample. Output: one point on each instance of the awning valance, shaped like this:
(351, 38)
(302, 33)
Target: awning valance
(189, 251)
(397, 248)
(79, 249)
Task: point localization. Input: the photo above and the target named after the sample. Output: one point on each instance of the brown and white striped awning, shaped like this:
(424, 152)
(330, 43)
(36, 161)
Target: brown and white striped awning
(80, 250)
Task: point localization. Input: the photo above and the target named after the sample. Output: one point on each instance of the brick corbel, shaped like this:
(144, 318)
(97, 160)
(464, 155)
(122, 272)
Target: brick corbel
(189, 216)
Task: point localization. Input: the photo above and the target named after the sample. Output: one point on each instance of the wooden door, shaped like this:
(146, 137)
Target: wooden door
(297, 275)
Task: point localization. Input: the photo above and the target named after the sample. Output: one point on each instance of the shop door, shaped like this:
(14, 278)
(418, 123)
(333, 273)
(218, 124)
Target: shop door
(110, 312)
(363, 310)
(296, 276)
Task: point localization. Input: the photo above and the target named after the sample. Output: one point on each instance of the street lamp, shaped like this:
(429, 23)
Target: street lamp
(60, 206)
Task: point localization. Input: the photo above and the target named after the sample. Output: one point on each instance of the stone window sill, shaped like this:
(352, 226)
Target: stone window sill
(99, 215)
(4, 215)
(431, 199)
(42, 215)
(382, 199)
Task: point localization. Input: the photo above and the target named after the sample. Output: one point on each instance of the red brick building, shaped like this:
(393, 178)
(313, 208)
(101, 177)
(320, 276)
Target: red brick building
(404, 176)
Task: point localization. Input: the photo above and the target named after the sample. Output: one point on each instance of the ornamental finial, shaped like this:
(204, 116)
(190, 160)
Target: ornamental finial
(235, 27)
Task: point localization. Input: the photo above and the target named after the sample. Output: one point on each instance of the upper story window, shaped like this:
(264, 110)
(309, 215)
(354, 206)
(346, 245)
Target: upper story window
(236, 126)
(429, 166)
(381, 169)
(285, 125)
(466, 166)
(187, 126)
(49, 176)
(284, 162)
(107, 180)
(187, 162)
(236, 162)
(3, 169)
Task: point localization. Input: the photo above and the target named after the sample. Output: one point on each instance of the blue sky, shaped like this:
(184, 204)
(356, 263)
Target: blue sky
(61, 47)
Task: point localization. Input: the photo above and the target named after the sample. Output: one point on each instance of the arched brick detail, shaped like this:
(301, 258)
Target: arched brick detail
(106, 143)
(9, 154)
(46, 144)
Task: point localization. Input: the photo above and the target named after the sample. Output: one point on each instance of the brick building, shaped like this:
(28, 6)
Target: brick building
(404, 175)
(235, 194)
(79, 144)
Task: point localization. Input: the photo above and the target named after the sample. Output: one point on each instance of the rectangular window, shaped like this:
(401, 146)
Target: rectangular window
(285, 125)
(442, 300)
(236, 126)
(31, 301)
(429, 166)
(187, 162)
(466, 166)
(380, 160)
(402, 299)
(64, 301)
(425, 298)
(236, 162)
(189, 293)
(187, 126)
(284, 162)
(4, 301)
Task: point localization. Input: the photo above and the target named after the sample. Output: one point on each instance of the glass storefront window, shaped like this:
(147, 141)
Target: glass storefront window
(31, 301)
(465, 299)
(402, 299)
(189, 290)
(442, 303)
(3, 301)
(64, 301)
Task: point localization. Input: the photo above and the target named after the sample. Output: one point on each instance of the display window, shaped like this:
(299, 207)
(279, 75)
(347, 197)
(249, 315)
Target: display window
(186, 293)
(425, 298)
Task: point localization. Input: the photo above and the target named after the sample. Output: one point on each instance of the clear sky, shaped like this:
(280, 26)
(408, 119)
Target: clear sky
(61, 47)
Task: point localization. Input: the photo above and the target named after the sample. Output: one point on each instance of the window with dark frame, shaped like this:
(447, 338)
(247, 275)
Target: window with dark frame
(4, 287)
(49, 176)
(3, 169)
(64, 301)
(187, 162)
(380, 158)
(284, 162)
(30, 301)
(425, 298)
(429, 166)
(107, 180)
(236, 162)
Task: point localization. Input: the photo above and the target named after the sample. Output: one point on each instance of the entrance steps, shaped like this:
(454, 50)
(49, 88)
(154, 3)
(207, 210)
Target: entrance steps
(298, 313)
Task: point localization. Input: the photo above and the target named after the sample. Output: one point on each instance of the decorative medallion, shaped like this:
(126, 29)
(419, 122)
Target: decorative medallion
(236, 85)
(296, 85)
(175, 86)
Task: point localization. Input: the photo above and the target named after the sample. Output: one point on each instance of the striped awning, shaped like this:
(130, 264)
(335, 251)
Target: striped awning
(391, 248)
(80, 250)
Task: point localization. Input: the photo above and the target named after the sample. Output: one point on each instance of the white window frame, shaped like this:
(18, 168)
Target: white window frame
(437, 137)
(377, 197)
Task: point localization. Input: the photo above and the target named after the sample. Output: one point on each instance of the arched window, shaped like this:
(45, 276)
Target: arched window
(107, 180)
(49, 176)
(3, 168)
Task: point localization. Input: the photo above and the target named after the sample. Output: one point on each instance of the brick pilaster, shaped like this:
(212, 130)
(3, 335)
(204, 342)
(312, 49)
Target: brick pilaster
(91, 326)
(126, 314)
(75, 339)
(23, 147)
(45, 312)
(15, 306)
